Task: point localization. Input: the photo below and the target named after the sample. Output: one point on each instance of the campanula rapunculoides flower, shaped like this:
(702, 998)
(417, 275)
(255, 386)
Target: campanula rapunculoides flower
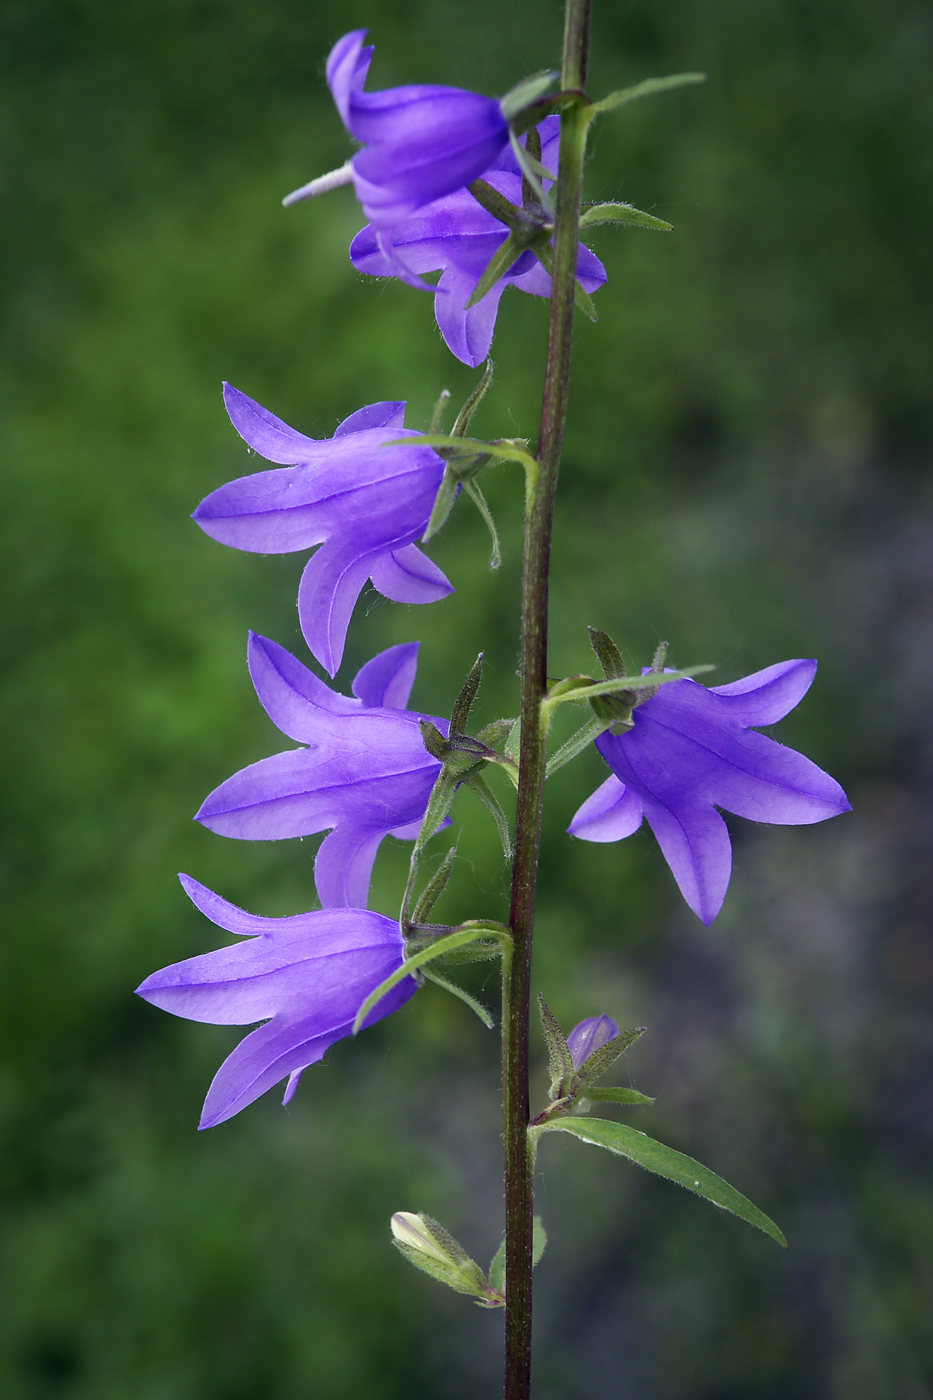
(421, 141)
(588, 1036)
(457, 236)
(365, 771)
(365, 504)
(306, 976)
(692, 750)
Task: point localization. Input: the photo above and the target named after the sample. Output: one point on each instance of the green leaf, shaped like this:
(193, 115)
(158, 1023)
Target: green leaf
(575, 745)
(610, 657)
(475, 1006)
(479, 500)
(493, 806)
(655, 1157)
(473, 401)
(451, 941)
(526, 92)
(606, 1056)
(496, 204)
(502, 259)
(561, 1061)
(589, 692)
(615, 1095)
(460, 714)
(443, 505)
(434, 888)
(627, 214)
(648, 88)
(533, 171)
(497, 1267)
(505, 449)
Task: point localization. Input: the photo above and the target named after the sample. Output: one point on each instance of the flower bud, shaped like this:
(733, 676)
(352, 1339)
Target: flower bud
(410, 1229)
(590, 1035)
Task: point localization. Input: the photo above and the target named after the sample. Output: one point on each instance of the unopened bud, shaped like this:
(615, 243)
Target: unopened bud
(590, 1035)
(410, 1229)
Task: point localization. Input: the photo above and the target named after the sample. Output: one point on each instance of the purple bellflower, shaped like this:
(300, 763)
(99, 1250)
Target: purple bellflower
(588, 1036)
(365, 772)
(421, 142)
(690, 751)
(457, 236)
(365, 504)
(306, 976)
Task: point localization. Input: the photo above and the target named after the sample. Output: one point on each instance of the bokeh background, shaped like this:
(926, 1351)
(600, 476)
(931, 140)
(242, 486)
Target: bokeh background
(746, 474)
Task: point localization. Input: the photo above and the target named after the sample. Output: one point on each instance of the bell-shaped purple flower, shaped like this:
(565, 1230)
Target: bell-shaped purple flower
(588, 1036)
(365, 504)
(305, 976)
(692, 750)
(365, 771)
(421, 141)
(457, 236)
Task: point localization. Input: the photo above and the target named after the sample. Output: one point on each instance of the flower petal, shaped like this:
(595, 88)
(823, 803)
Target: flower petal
(612, 813)
(265, 433)
(407, 575)
(695, 843)
(291, 695)
(343, 866)
(766, 696)
(385, 682)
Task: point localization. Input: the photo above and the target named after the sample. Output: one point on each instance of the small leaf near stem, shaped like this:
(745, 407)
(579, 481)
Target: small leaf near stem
(614, 1095)
(581, 298)
(434, 888)
(647, 88)
(526, 93)
(497, 1266)
(575, 745)
(490, 801)
(460, 714)
(464, 417)
(608, 654)
(626, 214)
(505, 449)
(557, 696)
(475, 1006)
(559, 1057)
(664, 1161)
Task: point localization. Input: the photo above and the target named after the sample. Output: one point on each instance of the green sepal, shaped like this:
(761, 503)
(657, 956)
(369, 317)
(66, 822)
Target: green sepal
(497, 205)
(664, 1161)
(473, 401)
(457, 938)
(627, 214)
(497, 1266)
(608, 654)
(434, 888)
(581, 298)
(460, 714)
(592, 689)
(502, 259)
(505, 449)
(443, 505)
(559, 1057)
(575, 745)
(595, 1065)
(615, 1095)
(475, 1006)
(437, 417)
(526, 93)
(478, 784)
(497, 733)
(647, 88)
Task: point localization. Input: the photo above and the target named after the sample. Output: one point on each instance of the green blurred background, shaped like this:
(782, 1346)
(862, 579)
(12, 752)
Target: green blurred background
(745, 474)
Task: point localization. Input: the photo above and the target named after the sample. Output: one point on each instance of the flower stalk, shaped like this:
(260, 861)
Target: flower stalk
(519, 1184)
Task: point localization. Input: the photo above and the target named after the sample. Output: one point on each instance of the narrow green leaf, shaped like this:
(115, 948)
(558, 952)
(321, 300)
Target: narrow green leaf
(496, 204)
(460, 714)
(561, 1061)
(479, 500)
(631, 683)
(599, 1095)
(497, 1266)
(526, 92)
(495, 734)
(655, 1157)
(473, 401)
(648, 88)
(609, 655)
(437, 417)
(502, 259)
(476, 783)
(626, 214)
(581, 298)
(533, 171)
(505, 449)
(605, 1057)
(447, 944)
(475, 1006)
(443, 505)
(575, 745)
(434, 888)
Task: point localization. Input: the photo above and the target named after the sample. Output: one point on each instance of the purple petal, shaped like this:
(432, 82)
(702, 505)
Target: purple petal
(347, 67)
(332, 581)
(695, 843)
(265, 433)
(375, 415)
(291, 695)
(768, 695)
(385, 682)
(590, 1035)
(468, 334)
(612, 813)
(343, 866)
(408, 576)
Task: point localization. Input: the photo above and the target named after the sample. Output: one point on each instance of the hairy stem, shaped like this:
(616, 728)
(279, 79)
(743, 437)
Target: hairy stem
(519, 1167)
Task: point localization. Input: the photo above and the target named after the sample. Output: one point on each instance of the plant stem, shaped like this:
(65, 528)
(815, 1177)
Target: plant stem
(539, 512)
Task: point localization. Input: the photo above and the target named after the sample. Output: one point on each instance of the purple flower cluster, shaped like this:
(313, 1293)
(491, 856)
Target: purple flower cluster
(360, 500)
